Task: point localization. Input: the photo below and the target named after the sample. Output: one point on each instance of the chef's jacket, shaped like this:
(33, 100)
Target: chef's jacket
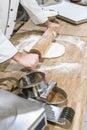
(8, 13)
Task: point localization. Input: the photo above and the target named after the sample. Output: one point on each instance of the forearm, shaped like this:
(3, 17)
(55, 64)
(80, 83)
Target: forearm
(17, 56)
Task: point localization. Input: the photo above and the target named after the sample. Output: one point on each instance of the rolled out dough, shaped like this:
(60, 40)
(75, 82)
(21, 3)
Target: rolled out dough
(55, 50)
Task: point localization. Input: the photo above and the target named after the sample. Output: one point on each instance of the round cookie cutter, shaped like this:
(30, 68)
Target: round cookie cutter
(34, 84)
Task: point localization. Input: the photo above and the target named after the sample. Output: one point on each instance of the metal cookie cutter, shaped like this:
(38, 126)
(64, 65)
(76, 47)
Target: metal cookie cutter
(53, 94)
(35, 86)
(29, 84)
(31, 79)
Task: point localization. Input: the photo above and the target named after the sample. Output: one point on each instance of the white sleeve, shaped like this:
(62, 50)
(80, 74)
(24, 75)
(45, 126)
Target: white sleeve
(35, 11)
(7, 50)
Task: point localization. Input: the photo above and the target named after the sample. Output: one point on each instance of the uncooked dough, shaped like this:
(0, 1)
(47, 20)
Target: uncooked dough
(54, 51)
(50, 13)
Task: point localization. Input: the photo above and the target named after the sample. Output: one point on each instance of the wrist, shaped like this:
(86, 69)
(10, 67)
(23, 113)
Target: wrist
(17, 56)
(47, 23)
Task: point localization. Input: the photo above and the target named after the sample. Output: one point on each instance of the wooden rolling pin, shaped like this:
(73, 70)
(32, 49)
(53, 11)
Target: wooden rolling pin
(44, 42)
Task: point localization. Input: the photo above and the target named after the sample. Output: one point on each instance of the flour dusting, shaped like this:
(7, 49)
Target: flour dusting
(65, 67)
(73, 40)
(28, 42)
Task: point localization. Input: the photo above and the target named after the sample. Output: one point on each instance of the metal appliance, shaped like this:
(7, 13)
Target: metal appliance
(17, 113)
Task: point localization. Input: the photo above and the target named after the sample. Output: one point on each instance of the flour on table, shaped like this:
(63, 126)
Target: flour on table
(72, 40)
(64, 67)
(27, 43)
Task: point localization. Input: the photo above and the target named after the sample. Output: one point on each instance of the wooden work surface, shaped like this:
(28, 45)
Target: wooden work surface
(69, 70)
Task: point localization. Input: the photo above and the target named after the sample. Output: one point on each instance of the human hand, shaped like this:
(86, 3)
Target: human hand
(30, 61)
(54, 26)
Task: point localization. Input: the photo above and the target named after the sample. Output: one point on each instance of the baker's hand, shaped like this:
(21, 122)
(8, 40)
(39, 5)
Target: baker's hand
(28, 60)
(54, 26)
